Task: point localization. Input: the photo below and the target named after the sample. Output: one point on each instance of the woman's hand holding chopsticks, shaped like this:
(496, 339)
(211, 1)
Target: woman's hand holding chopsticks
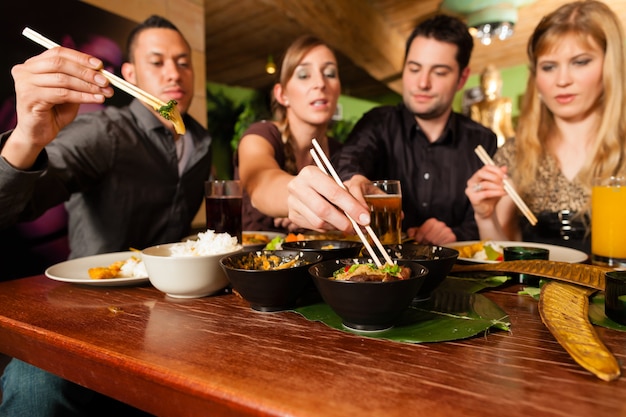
(492, 206)
(485, 188)
(316, 202)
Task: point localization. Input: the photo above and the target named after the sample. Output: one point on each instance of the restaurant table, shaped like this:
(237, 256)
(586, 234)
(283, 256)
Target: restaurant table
(215, 356)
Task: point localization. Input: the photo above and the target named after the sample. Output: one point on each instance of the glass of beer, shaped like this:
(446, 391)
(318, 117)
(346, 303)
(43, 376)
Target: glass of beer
(384, 198)
(608, 222)
(223, 207)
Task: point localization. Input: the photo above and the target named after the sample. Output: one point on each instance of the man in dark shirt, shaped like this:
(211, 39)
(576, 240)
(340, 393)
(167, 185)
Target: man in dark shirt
(421, 142)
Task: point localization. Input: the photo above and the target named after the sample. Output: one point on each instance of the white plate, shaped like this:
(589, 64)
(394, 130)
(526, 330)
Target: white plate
(557, 253)
(76, 270)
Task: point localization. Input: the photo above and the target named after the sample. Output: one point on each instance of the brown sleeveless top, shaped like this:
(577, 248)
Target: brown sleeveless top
(253, 219)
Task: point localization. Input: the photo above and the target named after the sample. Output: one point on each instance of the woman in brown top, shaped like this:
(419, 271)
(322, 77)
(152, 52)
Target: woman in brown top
(271, 153)
(572, 128)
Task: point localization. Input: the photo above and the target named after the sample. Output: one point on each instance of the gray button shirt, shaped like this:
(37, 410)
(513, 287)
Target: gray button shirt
(118, 171)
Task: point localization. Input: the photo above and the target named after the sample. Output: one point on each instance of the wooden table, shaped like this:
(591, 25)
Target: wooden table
(215, 356)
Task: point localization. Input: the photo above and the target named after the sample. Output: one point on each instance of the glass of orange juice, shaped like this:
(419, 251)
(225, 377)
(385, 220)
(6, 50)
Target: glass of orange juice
(608, 222)
(384, 198)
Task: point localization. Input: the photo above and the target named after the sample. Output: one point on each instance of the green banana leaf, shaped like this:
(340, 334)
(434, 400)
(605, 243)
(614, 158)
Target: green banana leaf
(597, 316)
(453, 312)
(473, 283)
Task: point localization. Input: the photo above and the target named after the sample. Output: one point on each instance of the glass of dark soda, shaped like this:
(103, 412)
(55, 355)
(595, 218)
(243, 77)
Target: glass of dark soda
(223, 207)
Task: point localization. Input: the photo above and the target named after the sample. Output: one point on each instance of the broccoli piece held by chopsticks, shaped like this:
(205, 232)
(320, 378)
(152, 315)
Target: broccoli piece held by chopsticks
(166, 111)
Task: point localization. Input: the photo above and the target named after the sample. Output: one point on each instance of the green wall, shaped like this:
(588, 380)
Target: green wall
(353, 108)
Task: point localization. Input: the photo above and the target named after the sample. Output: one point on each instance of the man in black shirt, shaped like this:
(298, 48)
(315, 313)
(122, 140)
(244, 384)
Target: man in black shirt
(421, 142)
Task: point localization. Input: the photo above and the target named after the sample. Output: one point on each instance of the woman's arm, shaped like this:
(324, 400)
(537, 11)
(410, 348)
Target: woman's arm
(261, 176)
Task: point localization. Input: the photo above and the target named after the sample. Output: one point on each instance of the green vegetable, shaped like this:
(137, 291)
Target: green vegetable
(391, 269)
(275, 244)
(166, 110)
(492, 254)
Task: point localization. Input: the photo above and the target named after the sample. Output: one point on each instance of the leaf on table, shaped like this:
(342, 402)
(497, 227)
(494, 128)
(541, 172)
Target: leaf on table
(473, 283)
(597, 315)
(447, 315)
(534, 292)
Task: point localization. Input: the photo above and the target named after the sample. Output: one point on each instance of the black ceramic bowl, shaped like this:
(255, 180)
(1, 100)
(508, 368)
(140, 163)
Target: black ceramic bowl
(269, 290)
(366, 306)
(329, 249)
(437, 259)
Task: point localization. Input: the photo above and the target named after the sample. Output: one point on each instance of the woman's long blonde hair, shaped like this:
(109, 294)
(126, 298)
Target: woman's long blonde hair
(587, 20)
(292, 58)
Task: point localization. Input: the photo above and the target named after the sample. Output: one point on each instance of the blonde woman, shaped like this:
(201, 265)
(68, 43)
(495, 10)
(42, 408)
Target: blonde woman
(571, 128)
(271, 153)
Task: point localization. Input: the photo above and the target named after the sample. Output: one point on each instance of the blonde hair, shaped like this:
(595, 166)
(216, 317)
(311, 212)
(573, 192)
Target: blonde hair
(292, 58)
(588, 20)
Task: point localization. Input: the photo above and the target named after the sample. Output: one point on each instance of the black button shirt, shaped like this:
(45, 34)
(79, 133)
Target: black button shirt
(387, 143)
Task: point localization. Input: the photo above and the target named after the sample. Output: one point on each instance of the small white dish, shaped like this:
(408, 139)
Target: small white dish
(76, 271)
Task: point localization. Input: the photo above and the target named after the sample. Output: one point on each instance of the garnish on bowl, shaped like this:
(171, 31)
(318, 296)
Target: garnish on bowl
(370, 272)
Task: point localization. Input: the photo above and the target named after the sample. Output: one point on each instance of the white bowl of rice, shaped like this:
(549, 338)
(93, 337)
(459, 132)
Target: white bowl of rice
(190, 269)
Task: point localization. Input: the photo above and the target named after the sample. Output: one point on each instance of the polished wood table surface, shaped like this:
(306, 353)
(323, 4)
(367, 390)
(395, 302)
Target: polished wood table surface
(215, 356)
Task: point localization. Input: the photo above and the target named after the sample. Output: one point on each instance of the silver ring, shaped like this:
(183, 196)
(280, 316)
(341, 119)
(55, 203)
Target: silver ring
(478, 186)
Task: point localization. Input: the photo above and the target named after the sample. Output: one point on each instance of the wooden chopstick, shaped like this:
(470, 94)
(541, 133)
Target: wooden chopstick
(327, 168)
(355, 225)
(508, 187)
(120, 83)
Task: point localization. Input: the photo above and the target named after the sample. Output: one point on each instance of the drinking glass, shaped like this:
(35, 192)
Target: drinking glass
(223, 207)
(608, 222)
(384, 198)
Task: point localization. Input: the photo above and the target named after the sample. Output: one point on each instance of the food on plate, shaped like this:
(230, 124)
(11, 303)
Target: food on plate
(266, 262)
(254, 239)
(276, 243)
(482, 251)
(371, 272)
(208, 243)
(129, 268)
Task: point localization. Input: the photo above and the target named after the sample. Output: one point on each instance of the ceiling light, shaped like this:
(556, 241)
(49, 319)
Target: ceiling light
(270, 66)
(487, 19)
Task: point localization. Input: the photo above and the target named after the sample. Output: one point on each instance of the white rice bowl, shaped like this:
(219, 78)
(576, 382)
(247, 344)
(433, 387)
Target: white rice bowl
(190, 269)
(207, 243)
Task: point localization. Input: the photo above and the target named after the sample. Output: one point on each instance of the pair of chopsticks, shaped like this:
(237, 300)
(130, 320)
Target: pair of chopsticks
(318, 156)
(120, 83)
(508, 187)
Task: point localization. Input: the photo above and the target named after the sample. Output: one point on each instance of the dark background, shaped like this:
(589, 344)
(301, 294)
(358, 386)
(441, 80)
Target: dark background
(57, 20)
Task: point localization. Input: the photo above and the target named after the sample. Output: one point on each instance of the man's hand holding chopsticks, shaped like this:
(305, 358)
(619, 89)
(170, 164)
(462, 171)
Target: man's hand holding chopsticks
(49, 89)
